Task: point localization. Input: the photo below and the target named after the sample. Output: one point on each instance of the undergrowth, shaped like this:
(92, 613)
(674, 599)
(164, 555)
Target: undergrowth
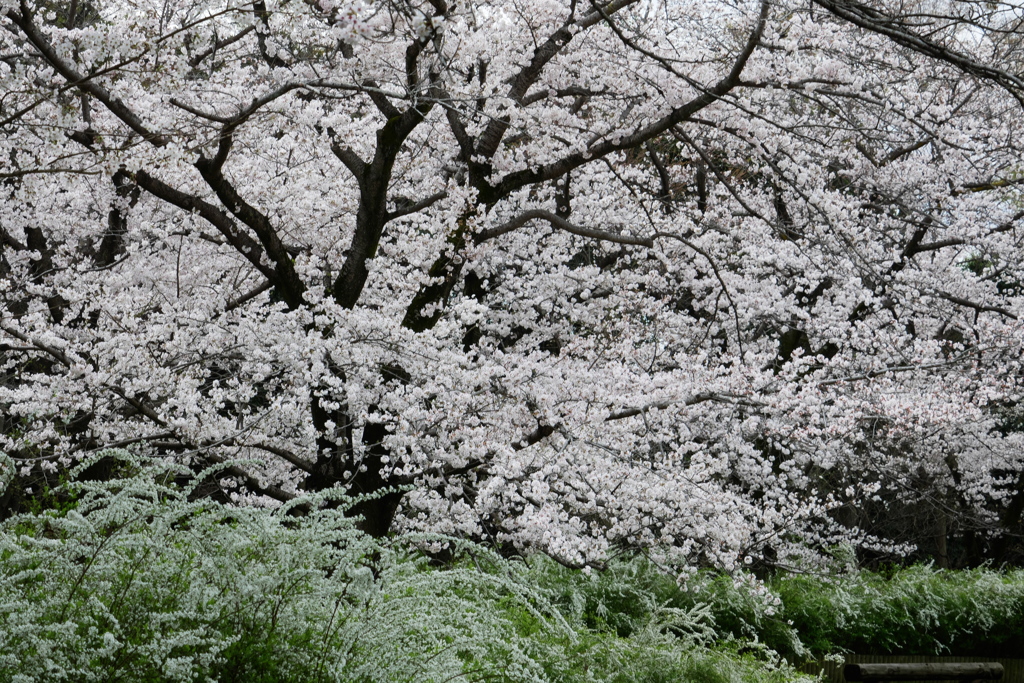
(916, 610)
(130, 580)
(913, 610)
(133, 581)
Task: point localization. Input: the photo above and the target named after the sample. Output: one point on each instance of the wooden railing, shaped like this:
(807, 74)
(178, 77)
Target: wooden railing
(954, 671)
(832, 672)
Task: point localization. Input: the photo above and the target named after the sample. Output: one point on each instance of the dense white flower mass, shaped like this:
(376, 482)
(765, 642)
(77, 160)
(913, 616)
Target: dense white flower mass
(727, 280)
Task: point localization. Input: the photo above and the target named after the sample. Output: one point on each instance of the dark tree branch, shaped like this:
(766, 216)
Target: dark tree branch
(220, 44)
(461, 134)
(703, 397)
(7, 239)
(417, 206)
(664, 178)
(489, 140)
(251, 482)
(1008, 225)
(599, 150)
(243, 244)
(54, 353)
(259, 9)
(899, 32)
(141, 407)
(351, 160)
(286, 279)
(248, 296)
(448, 269)
(36, 241)
(83, 82)
(981, 308)
(372, 214)
(936, 245)
(284, 454)
(541, 432)
(573, 91)
(993, 184)
(199, 112)
(112, 246)
(904, 151)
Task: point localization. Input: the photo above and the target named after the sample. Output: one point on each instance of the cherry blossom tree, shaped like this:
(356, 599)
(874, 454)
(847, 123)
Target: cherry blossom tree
(728, 281)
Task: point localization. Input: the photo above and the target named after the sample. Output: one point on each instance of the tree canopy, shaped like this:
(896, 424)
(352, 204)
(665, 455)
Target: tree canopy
(730, 281)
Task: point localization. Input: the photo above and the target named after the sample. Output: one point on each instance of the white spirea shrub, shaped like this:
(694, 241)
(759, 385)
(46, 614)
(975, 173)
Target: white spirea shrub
(132, 581)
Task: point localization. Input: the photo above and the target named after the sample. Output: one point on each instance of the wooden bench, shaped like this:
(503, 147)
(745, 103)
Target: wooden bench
(960, 671)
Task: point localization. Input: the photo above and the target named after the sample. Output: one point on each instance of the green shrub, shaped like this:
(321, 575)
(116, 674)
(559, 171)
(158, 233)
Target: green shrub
(643, 627)
(623, 598)
(915, 610)
(134, 582)
(129, 580)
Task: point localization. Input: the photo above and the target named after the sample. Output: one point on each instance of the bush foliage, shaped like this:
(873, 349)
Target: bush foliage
(129, 579)
(915, 610)
(912, 610)
(133, 579)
